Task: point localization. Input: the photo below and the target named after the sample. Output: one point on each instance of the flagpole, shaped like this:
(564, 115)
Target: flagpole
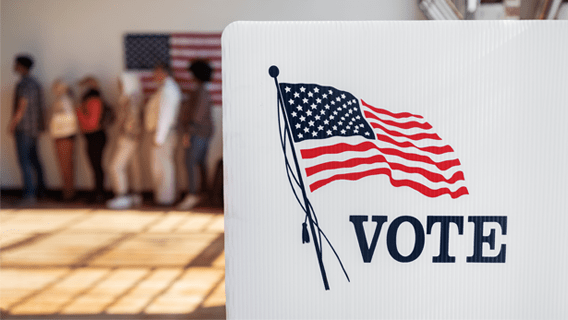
(273, 71)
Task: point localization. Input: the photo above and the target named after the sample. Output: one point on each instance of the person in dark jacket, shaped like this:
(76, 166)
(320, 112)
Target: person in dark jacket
(26, 124)
(197, 127)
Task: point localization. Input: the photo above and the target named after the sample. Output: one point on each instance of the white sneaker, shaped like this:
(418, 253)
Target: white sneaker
(119, 203)
(136, 200)
(189, 202)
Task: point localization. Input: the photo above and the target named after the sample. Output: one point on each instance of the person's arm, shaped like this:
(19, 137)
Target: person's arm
(169, 107)
(19, 114)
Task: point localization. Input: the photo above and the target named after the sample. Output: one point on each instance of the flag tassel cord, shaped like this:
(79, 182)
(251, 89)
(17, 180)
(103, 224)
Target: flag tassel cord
(306, 206)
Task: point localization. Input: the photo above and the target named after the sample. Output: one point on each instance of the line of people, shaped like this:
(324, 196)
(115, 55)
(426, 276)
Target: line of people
(164, 118)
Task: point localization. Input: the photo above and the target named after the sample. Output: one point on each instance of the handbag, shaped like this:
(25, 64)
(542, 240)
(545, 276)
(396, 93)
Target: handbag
(63, 125)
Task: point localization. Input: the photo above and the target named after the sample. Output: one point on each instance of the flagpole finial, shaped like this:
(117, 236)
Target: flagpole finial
(273, 71)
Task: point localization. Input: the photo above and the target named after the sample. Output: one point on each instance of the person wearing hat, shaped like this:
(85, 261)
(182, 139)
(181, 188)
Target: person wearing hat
(26, 124)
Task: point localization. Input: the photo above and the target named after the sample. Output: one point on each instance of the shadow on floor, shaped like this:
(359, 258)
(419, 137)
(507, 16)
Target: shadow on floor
(200, 313)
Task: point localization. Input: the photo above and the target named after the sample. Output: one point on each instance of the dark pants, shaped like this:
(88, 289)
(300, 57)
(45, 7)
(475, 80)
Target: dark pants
(29, 162)
(196, 155)
(95, 145)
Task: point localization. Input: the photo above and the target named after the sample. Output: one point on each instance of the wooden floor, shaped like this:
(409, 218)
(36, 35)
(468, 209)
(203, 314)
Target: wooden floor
(79, 261)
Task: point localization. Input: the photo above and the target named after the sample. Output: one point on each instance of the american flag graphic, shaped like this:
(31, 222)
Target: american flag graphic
(341, 137)
(144, 51)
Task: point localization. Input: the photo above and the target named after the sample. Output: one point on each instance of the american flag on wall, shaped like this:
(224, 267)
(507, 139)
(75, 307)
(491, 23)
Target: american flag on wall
(341, 137)
(144, 51)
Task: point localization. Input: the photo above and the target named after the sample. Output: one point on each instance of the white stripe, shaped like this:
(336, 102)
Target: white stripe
(387, 117)
(423, 143)
(214, 40)
(177, 63)
(177, 53)
(215, 63)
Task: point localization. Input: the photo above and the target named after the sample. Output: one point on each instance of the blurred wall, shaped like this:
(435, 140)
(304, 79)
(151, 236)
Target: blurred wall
(71, 38)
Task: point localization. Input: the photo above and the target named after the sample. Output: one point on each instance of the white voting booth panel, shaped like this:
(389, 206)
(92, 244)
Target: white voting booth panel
(396, 170)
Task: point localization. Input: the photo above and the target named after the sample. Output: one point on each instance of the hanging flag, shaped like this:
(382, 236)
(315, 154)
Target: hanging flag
(341, 137)
(144, 51)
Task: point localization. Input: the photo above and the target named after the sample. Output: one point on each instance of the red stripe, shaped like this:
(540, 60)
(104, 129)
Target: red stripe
(432, 193)
(188, 58)
(196, 35)
(402, 125)
(195, 47)
(407, 144)
(184, 69)
(365, 146)
(418, 136)
(444, 165)
(388, 113)
(215, 56)
(351, 163)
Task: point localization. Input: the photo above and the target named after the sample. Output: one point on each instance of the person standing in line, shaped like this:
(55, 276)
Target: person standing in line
(90, 114)
(130, 131)
(64, 128)
(26, 124)
(197, 127)
(161, 118)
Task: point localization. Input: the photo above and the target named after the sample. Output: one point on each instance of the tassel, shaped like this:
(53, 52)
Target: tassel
(305, 234)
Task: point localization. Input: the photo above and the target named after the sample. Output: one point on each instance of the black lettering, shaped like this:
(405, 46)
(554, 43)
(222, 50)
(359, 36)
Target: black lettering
(444, 221)
(419, 239)
(366, 250)
(479, 239)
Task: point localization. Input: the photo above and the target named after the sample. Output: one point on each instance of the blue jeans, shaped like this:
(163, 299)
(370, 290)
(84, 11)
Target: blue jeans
(29, 162)
(195, 155)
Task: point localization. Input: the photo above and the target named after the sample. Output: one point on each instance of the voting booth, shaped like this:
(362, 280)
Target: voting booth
(396, 170)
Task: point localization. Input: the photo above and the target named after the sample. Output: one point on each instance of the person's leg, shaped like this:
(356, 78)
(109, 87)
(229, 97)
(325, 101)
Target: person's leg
(91, 155)
(100, 175)
(135, 176)
(195, 155)
(23, 145)
(95, 145)
(119, 178)
(202, 163)
(64, 148)
(163, 167)
(119, 164)
(36, 164)
(190, 163)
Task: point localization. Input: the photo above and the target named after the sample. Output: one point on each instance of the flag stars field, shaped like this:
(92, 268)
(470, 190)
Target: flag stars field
(322, 116)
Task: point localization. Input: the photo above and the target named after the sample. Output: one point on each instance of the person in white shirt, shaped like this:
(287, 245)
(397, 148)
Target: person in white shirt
(130, 134)
(161, 118)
